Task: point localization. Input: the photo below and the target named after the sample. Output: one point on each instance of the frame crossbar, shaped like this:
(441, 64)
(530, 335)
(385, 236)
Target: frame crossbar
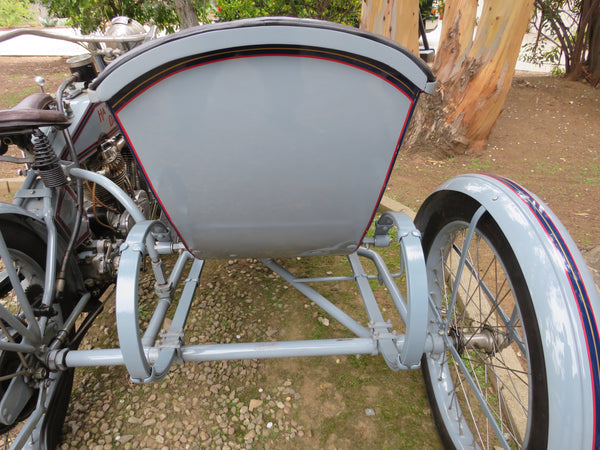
(149, 357)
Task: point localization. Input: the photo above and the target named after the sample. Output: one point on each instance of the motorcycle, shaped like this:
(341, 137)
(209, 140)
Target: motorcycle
(273, 138)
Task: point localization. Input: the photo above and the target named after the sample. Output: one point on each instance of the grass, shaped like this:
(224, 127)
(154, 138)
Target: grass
(479, 165)
(16, 13)
(590, 174)
(396, 398)
(344, 386)
(12, 98)
(7, 197)
(549, 168)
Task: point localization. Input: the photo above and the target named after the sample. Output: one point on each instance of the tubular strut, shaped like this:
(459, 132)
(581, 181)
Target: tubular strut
(149, 361)
(414, 310)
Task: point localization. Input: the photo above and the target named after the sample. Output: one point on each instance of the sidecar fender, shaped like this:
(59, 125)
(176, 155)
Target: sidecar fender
(563, 292)
(17, 214)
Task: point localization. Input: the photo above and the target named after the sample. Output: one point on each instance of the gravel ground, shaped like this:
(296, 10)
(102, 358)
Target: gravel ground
(343, 402)
(216, 404)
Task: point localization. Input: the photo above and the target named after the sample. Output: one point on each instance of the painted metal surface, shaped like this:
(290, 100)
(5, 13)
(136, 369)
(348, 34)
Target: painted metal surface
(557, 276)
(415, 305)
(94, 121)
(281, 136)
(262, 31)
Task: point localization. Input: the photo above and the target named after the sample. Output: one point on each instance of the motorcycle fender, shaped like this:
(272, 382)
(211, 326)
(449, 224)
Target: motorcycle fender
(35, 224)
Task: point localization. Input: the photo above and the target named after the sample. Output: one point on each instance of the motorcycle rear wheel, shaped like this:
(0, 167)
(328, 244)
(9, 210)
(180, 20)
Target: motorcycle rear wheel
(21, 370)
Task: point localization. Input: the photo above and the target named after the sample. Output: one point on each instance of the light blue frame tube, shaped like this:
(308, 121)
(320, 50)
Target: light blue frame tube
(146, 361)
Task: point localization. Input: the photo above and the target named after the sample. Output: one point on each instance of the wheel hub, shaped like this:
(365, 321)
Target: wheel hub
(488, 340)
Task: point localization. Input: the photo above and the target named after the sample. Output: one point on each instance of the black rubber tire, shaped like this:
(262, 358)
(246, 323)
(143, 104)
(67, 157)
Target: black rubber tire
(441, 210)
(19, 237)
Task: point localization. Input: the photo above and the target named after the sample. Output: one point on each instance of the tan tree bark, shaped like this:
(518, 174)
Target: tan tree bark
(456, 36)
(394, 19)
(474, 67)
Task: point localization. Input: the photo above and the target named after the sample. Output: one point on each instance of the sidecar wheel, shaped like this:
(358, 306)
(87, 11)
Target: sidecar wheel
(28, 254)
(494, 357)
(512, 315)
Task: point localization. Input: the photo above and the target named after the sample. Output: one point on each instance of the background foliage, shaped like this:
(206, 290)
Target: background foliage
(15, 13)
(342, 11)
(91, 15)
(554, 22)
(568, 35)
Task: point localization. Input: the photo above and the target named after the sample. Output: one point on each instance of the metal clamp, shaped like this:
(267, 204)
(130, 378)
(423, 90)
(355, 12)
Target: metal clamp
(409, 238)
(128, 329)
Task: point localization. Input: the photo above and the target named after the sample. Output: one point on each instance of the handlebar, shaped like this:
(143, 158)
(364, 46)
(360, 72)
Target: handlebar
(88, 39)
(113, 45)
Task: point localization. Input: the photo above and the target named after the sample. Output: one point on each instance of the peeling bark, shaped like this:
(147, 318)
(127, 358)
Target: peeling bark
(456, 37)
(394, 19)
(474, 73)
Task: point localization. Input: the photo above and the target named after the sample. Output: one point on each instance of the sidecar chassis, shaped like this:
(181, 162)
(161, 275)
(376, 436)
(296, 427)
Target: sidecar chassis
(148, 356)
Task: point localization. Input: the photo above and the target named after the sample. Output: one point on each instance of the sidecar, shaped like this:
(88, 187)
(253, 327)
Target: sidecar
(273, 138)
(279, 144)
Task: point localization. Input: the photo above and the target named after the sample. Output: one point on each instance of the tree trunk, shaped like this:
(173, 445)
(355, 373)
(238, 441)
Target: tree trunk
(456, 37)
(474, 74)
(394, 19)
(186, 13)
(594, 50)
(586, 51)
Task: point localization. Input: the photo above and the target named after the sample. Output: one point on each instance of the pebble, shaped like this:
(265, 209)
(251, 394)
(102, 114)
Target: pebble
(324, 321)
(254, 403)
(207, 404)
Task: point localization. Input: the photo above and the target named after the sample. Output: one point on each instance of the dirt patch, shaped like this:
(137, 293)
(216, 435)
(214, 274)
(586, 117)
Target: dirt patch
(547, 139)
(17, 76)
(17, 81)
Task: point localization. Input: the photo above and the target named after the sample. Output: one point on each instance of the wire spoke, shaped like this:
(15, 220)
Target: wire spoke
(486, 352)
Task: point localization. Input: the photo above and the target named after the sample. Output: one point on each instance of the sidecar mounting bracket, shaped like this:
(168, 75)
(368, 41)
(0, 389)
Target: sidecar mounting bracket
(148, 357)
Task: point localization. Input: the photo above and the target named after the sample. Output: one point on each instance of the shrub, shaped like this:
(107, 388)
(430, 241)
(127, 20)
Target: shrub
(15, 13)
(342, 11)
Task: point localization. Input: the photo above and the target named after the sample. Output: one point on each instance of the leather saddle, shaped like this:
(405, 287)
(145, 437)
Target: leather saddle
(32, 112)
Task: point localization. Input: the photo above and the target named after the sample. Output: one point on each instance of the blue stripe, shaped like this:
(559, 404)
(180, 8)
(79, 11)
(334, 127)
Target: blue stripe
(581, 295)
(65, 155)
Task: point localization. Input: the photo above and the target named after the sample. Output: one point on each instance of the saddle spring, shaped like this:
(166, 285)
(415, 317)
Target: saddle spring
(46, 162)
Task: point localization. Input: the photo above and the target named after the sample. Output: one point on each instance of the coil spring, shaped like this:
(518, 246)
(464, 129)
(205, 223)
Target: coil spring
(46, 161)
